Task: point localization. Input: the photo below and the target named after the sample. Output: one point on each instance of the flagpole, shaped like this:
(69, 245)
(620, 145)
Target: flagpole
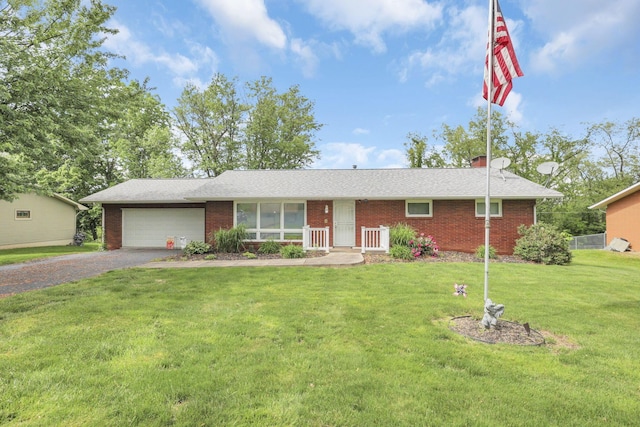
(487, 198)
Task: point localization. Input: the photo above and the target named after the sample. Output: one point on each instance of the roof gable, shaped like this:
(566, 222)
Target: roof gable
(619, 195)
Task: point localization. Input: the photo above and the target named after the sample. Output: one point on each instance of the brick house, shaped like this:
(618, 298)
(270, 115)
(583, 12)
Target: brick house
(276, 204)
(623, 215)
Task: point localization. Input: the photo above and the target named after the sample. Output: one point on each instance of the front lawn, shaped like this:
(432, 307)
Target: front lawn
(14, 256)
(358, 346)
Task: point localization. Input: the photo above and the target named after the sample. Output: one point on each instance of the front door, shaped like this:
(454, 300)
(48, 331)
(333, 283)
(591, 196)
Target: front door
(344, 223)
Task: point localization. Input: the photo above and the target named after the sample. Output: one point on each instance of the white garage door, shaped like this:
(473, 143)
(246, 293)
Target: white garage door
(150, 228)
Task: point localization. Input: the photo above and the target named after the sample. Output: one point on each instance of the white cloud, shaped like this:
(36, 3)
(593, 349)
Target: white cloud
(361, 131)
(343, 155)
(579, 29)
(392, 159)
(369, 20)
(125, 43)
(246, 19)
(512, 108)
(459, 50)
(305, 56)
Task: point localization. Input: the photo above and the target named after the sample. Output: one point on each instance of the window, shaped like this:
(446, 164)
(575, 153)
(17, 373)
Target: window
(282, 221)
(418, 208)
(495, 206)
(22, 214)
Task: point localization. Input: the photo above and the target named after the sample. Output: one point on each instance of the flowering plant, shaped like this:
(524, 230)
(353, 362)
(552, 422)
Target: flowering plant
(423, 246)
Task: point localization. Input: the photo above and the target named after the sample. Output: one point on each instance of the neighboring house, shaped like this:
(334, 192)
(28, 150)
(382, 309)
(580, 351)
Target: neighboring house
(35, 220)
(275, 204)
(623, 215)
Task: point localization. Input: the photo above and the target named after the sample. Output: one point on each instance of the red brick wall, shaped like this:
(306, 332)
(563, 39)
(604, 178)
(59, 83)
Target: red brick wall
(218, 215)
(316, 218)
(454, 224)
(113, 219)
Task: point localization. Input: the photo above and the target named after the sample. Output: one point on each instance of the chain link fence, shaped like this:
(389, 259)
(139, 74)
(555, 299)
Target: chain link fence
(590, 241)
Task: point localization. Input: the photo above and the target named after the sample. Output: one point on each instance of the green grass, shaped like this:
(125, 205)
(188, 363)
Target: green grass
(14, 256)
(356, 346)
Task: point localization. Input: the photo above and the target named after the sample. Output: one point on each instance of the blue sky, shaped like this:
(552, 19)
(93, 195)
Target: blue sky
(379, 69)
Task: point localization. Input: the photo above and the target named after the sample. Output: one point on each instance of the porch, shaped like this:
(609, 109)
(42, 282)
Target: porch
(373, 239)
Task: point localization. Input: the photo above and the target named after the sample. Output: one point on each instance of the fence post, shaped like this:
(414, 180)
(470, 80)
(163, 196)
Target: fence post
(326, 239)
(384, 238)
(305, 237)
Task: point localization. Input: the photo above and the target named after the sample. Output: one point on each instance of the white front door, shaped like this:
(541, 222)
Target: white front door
(344, 223)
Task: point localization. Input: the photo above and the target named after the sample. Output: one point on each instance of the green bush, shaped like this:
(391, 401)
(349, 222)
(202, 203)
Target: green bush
(292, 251)
(543, 243)
(269, 247)
(230, 241)
(210, 257)
(196, 247)
(401, 252)
(401, 234)
(249, 255)
(480, 252)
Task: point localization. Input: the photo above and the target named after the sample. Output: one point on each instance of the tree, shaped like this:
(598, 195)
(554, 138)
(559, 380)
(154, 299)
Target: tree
(420, 155)
(271, 131)
(211, 123)
(280, 129)
(54, 79)
(462, 145)
(621, 146)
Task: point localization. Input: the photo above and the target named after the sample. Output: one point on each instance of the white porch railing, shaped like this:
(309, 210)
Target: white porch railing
(315, 239)
(375, 239)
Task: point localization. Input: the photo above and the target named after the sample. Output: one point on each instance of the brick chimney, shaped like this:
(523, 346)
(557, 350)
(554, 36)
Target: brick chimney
(479, 162)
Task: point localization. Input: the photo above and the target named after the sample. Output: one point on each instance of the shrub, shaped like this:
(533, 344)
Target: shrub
(210, 257)
(401, 252)
(230, 241)
(480, 252)
(292, 251)
(269, 247)
(543, 243)
(423, 246)
(401, 234)
(196, 247)
(249, 255)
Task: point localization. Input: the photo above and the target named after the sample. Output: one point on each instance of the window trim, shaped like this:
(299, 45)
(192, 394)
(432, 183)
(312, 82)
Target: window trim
(427, 201)
(482, 215)
(19, 218)
(282, 231)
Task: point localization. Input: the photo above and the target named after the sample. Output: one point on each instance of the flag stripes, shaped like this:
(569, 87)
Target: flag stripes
(505, 63)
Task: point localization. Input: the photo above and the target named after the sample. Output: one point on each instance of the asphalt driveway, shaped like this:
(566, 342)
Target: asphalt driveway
(16, 278)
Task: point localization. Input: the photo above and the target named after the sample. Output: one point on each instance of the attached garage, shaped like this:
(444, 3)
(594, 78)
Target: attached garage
(150, 228)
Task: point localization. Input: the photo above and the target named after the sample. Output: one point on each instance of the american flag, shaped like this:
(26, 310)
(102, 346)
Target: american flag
(505, 63)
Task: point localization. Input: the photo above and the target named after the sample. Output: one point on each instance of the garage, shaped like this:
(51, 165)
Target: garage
(150, 228)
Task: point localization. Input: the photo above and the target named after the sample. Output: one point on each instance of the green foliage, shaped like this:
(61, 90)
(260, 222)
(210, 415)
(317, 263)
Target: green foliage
(543, 243)
(230, 241)
(210, 257)
(480, 252)
(249, 255)
(270, 130)
(292, 251)
(269, 247)
(195, 247)
(401, 234)
(401, 252)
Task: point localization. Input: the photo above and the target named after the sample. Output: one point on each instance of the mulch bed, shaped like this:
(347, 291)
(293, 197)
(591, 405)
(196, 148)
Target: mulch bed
(503, 333)
(443, 256)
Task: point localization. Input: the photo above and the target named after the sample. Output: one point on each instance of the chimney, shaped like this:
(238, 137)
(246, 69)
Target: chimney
(479, 162)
